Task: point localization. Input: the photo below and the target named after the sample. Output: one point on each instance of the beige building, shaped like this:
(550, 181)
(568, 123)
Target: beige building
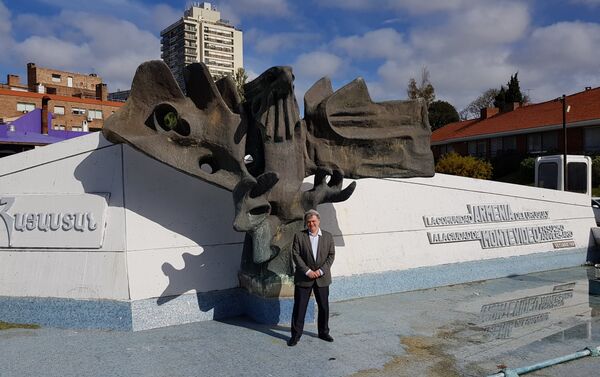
(63, 83)
(202, 36)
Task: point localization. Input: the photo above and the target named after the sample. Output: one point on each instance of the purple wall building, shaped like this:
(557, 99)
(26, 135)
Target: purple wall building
(26, 133)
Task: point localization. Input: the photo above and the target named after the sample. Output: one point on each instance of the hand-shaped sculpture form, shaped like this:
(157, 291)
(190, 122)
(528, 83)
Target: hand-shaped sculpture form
(262, 151)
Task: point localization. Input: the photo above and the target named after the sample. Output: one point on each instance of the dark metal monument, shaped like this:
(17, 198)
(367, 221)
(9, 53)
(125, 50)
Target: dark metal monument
(261, 150)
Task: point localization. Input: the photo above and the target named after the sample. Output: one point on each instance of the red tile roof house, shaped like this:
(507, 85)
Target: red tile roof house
(534, 129)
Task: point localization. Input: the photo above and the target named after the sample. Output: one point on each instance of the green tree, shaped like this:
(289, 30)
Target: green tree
(240, 79)
(441, 113)
(510, 94)
(423, 90)
(500, 99)
(473, 110)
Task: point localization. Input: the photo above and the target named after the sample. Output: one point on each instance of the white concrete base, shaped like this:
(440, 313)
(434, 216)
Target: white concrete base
(168, 234)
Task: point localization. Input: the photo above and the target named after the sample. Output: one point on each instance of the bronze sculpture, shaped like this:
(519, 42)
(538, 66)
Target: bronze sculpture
(261, 150)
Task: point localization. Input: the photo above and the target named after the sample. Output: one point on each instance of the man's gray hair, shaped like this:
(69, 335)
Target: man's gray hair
(310, 213)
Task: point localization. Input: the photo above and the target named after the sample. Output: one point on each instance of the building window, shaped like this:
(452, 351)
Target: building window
(496, 146)
(534, 143)
(591, 139)
(509, 143)
(78, 111)
(542, 142)
(477, 148)
(25, 107)
(55, 77)
(550, 141)
(59, 110)
(94, 114)
(500, 145)
(445, 148)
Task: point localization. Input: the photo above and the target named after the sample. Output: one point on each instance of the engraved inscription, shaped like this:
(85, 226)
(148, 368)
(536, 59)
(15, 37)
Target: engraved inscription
(485, 214)
(494, 238)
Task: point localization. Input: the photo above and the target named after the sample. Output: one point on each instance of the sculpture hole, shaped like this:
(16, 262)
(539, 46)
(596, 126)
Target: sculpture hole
(207, 168)
(208, 164)
(183, 128)
(261, 210)
(306, 186)
(166, 117)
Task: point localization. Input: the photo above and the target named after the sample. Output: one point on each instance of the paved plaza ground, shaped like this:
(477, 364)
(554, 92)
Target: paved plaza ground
(462, 330)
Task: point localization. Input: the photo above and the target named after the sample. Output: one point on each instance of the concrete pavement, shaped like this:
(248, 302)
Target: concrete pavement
(462, 330)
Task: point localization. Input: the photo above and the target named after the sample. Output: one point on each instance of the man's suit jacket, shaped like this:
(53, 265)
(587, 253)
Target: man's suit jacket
(304, 260)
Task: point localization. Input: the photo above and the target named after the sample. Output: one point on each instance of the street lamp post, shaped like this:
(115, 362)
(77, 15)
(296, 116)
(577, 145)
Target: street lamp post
(564, 124)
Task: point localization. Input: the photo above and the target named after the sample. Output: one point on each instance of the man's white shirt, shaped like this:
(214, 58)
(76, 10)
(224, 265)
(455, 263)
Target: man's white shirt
(314, 243)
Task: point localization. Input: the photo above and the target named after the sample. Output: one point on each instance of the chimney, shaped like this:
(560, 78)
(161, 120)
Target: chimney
(101, 92)
(489, 112)
(31, 77)
(510, 106)
(13, 80)
(45, 101)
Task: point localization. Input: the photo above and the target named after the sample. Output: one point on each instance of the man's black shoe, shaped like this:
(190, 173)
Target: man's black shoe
(292, 342)
(326, 338)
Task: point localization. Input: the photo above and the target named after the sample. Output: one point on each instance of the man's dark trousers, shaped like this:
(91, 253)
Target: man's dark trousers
(301, 299)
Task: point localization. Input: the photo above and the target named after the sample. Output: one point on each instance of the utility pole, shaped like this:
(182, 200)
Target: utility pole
(564, 124)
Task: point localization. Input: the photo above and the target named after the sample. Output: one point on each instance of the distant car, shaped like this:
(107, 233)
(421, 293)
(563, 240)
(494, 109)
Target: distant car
(596, 208)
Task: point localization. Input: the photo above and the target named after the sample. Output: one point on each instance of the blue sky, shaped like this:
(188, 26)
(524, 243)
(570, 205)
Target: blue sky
(468, 46)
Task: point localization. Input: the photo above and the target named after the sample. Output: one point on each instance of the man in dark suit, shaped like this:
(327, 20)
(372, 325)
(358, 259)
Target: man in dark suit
(313, 252)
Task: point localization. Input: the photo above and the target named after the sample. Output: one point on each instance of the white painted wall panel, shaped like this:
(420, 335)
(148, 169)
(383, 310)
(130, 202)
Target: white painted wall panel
(169, 209)
(78, 275)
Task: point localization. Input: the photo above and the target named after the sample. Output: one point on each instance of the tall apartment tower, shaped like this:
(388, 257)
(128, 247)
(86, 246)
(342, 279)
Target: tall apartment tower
(202, 36)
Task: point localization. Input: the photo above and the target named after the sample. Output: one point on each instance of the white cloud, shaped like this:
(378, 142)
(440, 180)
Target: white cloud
(269, 43)
(316, 64)
(478, 27)
(83, 42)
(377, 44)
(234, 10)
(53, 52)
(562, 57)
(466, 52)
(411, 6)
(564, 46)
(151, 17)
(5, 30)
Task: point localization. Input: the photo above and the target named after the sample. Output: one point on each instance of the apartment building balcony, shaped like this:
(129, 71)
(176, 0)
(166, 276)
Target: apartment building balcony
(215, 40)
(218, 48)
(218, 63)
(219, 56)
(221, 33)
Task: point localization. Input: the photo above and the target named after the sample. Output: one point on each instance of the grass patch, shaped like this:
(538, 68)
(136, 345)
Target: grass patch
(6, 326)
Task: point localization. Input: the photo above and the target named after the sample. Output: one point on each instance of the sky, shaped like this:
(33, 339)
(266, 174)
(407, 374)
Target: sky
(468, 46)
